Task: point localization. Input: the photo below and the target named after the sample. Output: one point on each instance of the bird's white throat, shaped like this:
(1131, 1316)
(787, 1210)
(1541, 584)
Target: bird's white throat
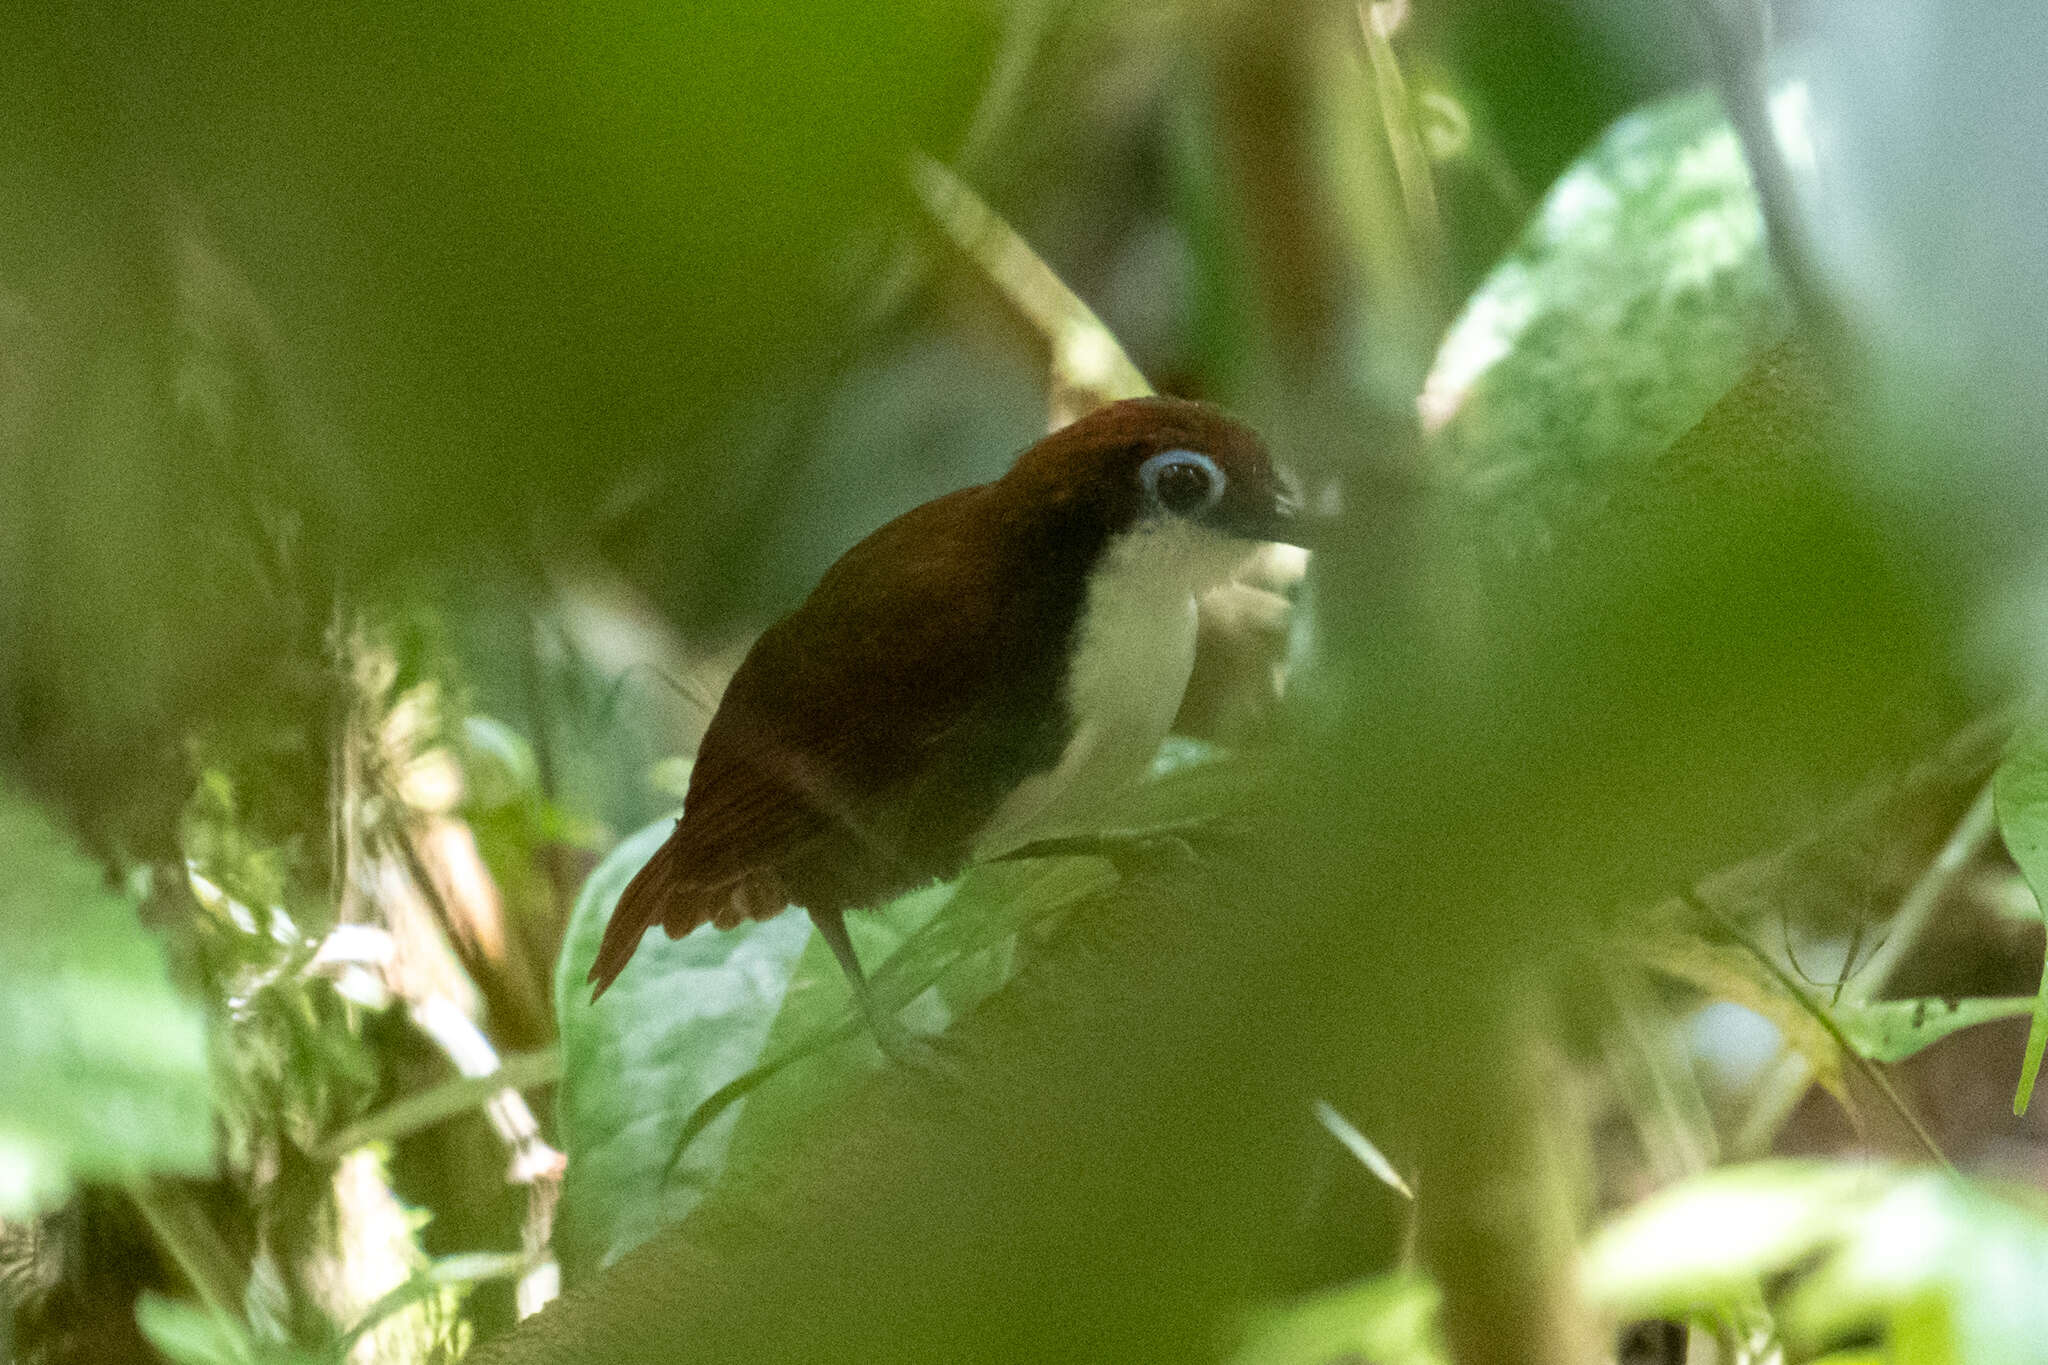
(1134, 648)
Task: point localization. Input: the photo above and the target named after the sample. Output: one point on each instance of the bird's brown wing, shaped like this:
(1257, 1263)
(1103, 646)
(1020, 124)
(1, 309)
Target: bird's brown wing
(816, 752)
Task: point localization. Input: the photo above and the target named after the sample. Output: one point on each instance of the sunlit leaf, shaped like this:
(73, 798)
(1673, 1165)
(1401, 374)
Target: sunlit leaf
(103, 1068)
(188, 1334)
(1390, 1320)
(1705, 1244)
(1943, 1269)
(1637, 295)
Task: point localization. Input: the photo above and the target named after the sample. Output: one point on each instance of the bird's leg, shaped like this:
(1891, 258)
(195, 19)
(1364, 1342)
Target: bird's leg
(894, 1039)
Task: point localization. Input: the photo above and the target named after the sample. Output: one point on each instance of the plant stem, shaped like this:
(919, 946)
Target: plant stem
(1786, 1083)
(516, 1071)
(1964, 844)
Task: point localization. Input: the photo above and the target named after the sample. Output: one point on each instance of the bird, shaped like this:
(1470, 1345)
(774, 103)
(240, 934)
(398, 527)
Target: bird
(988, 669)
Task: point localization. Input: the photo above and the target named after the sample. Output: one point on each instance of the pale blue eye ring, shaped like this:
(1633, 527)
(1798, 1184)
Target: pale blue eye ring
(1181, 481)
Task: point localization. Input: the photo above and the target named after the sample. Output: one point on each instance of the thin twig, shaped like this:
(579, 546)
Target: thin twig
(1114, 845)
(1404, 139)
(516, 1071)
(1023, 38)
(1673, 1124)
(1362, 1147)
(451, 1272)
(540, 715)
(1024, 33)
(1089, 366)
(1870, 1070)
(740, 1086)
(1787, 1082)
(1964, 844)
(1735, 50)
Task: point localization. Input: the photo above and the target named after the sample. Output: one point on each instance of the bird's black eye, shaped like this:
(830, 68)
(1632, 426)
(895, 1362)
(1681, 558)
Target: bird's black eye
(1181, 481)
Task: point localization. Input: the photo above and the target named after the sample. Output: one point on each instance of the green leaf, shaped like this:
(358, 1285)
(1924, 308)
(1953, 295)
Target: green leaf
(2019, 792)
(685, 1020)
(1942, 1268)
(1389, 1319)
(819, 1046)
(1706, 1243)
(188, 1334)
(686, 1016)
(1638, 294)
(709, 1052)
(103, 1067)
(1893, 1030)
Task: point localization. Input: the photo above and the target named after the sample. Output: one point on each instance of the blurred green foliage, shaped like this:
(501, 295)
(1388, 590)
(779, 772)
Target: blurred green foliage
(633, 203)
(104, 1071)
(342, 291)
(1390, 1319)
(405, 416)
(1941, 1269)
(189, 1335)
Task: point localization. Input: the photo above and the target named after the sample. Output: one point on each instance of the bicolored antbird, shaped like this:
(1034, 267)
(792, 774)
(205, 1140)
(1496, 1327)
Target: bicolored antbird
(988, 669)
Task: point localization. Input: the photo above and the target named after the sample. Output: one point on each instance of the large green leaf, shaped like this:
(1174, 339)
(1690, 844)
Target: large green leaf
(1943, 1269)
(686, 1016)
(709, 1051)
(663, 1083)
(103, 1067)
(1637, 295)
(2019, 792)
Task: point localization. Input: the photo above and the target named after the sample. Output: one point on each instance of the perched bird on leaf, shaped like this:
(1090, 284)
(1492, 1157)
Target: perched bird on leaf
(988, 669)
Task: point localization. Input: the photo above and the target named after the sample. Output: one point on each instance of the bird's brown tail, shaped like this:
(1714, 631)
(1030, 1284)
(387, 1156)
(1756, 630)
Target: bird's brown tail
(663, 892)
(648, 900)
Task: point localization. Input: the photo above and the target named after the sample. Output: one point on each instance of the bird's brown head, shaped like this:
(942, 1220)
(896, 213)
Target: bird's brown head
(1161, 462)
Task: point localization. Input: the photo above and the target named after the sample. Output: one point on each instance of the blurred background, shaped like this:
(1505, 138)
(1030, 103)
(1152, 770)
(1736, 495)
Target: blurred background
(408, 417)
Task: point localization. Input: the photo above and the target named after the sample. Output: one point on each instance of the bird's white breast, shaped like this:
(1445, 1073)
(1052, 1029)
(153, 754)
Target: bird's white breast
(1133, 649)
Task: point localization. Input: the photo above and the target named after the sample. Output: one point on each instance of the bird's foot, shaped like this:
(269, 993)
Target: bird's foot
(1170, 848)
(916, 1054)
